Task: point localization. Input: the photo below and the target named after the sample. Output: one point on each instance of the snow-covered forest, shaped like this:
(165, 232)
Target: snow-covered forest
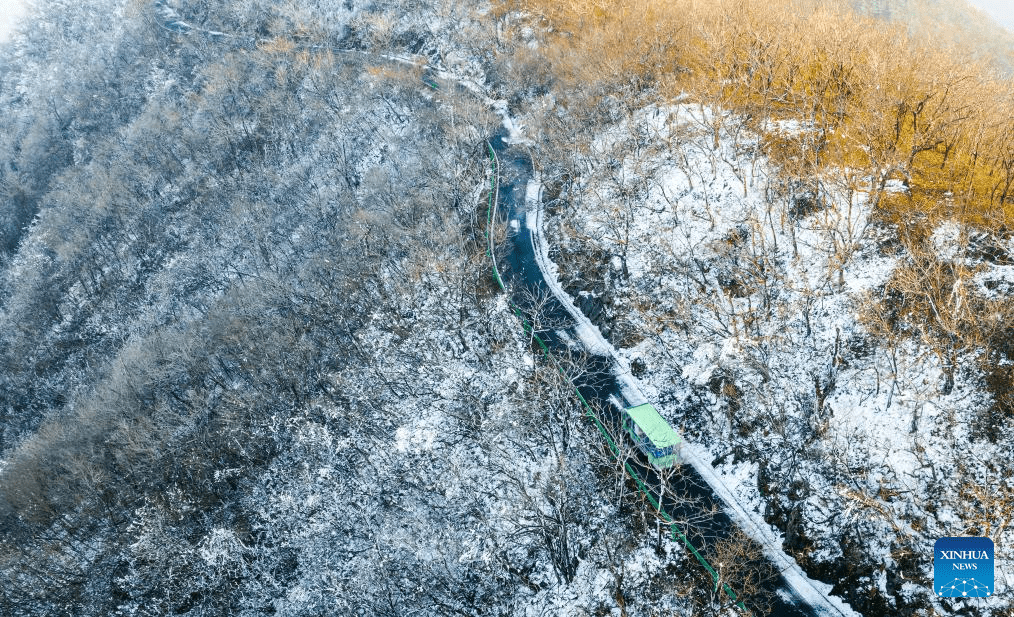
(783, 249)
(253, 360)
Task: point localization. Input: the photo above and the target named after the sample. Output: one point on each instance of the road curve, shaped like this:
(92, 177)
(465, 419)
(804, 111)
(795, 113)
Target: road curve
(693, 492)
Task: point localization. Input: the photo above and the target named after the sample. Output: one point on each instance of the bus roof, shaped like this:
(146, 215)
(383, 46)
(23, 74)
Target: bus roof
(658, 430)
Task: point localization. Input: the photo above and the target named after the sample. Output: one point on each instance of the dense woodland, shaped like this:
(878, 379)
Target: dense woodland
(795, 220)
(252, 360)
(947, 23)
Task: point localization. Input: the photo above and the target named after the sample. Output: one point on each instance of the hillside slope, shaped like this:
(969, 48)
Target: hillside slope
(761, 203)
(252, 360)
(859, 445)
(949, 22)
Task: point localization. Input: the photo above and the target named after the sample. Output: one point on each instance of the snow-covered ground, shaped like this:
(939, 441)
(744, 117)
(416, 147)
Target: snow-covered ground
(747, 307)
(11, 12)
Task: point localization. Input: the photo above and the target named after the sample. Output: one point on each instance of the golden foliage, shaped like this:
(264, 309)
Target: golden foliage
(872, 101)
(277, 45)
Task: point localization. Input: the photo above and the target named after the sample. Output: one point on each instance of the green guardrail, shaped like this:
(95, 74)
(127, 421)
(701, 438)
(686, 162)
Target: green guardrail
(589, 412)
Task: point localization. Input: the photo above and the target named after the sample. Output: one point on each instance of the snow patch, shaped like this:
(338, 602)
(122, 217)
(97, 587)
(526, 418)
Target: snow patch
(415, 437)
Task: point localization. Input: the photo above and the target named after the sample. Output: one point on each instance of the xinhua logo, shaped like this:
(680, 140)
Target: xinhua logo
(963, 567)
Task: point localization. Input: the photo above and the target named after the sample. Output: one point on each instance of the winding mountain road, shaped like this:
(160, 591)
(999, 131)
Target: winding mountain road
(699, 504)
(692, 496)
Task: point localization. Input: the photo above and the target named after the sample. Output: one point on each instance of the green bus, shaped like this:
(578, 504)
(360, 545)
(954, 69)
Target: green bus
(652, 435)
